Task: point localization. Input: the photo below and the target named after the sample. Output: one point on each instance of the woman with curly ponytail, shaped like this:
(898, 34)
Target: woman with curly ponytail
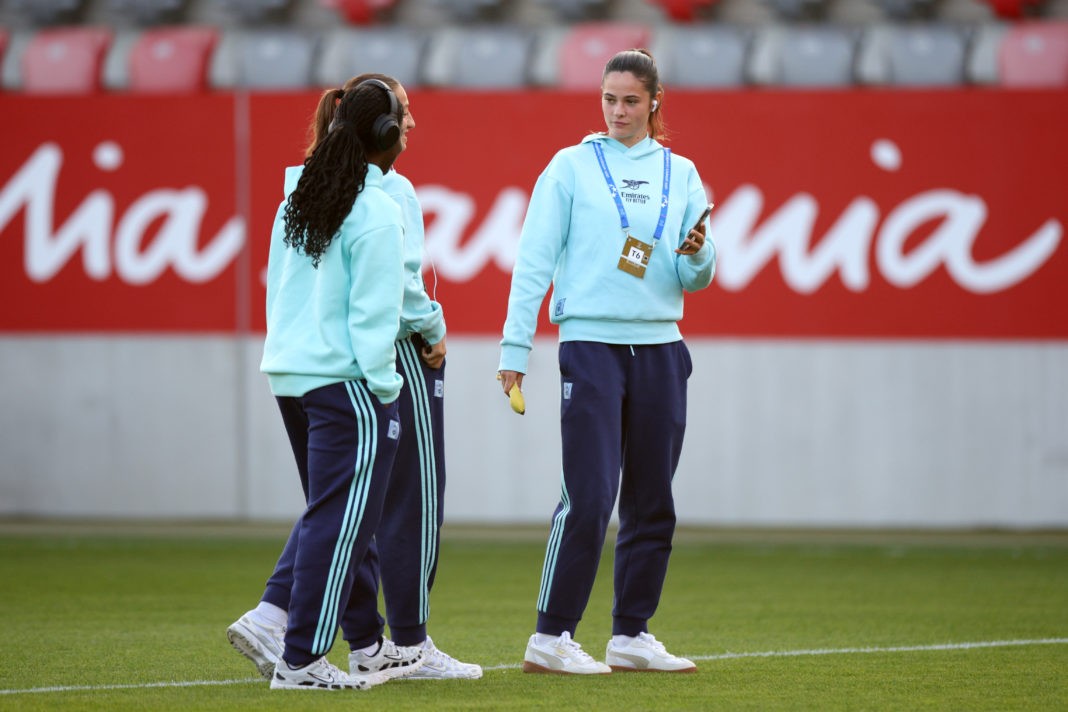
(335, 280)
(416, 487)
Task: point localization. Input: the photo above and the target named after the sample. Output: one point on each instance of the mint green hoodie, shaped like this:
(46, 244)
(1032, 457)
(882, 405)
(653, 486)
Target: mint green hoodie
(572, 237)
(420, 314)
(338, 322)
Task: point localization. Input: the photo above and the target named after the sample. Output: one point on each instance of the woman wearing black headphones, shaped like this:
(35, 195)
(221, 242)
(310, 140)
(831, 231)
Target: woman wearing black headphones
(334, 286)
(405, 551)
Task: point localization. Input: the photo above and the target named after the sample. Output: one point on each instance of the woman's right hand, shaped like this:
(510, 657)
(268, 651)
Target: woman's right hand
(508, 379)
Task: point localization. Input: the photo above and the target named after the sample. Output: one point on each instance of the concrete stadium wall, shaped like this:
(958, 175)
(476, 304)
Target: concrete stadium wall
(781, 433)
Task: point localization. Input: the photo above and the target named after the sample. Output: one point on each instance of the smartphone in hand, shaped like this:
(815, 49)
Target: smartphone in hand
(704, 215)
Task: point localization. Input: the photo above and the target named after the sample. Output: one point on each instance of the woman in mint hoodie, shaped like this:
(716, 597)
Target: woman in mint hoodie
(335, 282)
(616, 224)
(404, 552)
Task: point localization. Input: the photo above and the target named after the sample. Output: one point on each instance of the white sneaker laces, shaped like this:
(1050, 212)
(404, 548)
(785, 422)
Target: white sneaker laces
(653, 643)
(329, 668)
(388, 649)
(565, 641)
(440, 659)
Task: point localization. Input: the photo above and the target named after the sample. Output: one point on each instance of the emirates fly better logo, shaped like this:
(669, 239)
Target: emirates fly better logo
(629, 191)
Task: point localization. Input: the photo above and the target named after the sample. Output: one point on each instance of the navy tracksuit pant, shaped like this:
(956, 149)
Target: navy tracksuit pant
(404, 551)
(344, 440)
(622, 421)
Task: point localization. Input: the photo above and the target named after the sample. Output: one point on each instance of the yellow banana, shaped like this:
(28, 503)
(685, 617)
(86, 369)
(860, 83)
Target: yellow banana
(515, 398)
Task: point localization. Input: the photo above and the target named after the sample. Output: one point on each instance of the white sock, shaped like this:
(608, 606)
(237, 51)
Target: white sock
(270, 614)
(621, 641)
(370, 649)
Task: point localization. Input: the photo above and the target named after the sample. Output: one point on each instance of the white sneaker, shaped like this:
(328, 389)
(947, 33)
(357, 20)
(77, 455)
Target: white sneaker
(439, 665)
(645, 654)
(391, 660)
(561, 655)
(318, 675)
(261, 644)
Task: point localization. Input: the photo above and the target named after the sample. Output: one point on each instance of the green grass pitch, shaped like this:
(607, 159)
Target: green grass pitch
(133, 617)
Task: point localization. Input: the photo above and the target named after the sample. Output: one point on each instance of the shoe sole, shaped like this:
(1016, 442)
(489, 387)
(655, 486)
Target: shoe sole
(384, 676)
(542, 670)
(391, 673)
(321, 686)
(424, 676)
(621, 668)
(251, 651)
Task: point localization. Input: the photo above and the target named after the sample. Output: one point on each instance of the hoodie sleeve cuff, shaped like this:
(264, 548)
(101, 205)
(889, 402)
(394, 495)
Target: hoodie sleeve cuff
(514, 358)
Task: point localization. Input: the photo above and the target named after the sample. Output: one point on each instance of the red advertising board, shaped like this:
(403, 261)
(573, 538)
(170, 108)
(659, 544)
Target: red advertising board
(851, 214)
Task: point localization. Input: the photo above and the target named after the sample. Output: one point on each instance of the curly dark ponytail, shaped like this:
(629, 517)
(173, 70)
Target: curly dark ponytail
(334, 174)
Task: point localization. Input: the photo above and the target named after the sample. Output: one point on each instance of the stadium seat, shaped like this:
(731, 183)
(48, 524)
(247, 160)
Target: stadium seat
(696, 56)
(479, 57)
(804, 56)
(1035, 54)
(587, 47)
(359, 12)
(985, 48)
(394, 50)
(65, 60)
(923, 54)
(172, 59)
(115, 71)
(682, 10)
(11, 69)
(270, 59)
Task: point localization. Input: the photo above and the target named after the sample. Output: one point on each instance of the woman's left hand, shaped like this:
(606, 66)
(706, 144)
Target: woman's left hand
(433, 354)
(694, 241)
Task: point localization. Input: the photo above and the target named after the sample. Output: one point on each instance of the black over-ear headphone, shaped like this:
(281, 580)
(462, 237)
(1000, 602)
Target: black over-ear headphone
(386, 129)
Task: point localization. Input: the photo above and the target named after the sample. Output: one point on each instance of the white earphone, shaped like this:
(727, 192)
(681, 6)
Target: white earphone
(655, 104)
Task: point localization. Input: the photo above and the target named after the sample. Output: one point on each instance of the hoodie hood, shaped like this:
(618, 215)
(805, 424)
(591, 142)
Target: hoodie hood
(292, 177)
(639, 150)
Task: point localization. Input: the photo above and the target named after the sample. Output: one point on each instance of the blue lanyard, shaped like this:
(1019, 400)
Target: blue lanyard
(623, 222)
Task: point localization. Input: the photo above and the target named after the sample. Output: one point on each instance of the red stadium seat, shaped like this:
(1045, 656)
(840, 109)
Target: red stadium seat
(681, 10)
(359, 12)
(588, 47)
(1012, 9)
(172, 59)
(65, 60)
(1035, 54)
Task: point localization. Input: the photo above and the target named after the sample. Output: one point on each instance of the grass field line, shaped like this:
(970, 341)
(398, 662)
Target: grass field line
(720, 656)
